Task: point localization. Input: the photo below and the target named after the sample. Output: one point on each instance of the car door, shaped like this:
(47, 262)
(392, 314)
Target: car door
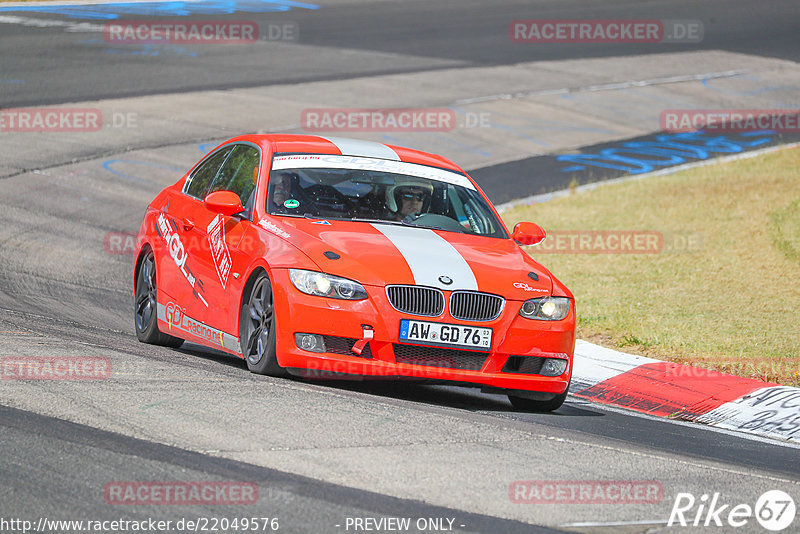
(180, 266)
(221, 262)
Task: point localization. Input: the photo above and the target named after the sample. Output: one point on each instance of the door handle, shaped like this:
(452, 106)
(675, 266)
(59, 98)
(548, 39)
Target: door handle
(188, 224)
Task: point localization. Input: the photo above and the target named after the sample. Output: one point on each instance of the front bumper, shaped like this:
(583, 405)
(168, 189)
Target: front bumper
(343, 322)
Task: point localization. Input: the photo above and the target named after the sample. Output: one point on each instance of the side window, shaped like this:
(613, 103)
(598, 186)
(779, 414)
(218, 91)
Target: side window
(239, 173)
(204, 175)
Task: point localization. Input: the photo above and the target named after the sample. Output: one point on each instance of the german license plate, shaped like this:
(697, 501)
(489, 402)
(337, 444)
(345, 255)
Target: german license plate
(451, 335)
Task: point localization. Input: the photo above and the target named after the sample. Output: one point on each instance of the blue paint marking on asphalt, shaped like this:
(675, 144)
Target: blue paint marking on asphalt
(145, 50)
(761, 141)
(108, 164)
(205, 147)
(151, 50)
(667, 150)
(112, 11)
(10, 81)
(141, 49)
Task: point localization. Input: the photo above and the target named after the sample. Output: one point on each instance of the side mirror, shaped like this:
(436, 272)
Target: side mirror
(224, 202)
(528, 233)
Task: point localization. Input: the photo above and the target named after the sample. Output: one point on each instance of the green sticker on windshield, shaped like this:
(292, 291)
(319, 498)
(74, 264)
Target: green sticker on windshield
(291, 203)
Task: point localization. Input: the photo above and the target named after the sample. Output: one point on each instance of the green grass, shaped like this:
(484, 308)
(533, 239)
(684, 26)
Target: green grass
(785, 229)
(723, 294)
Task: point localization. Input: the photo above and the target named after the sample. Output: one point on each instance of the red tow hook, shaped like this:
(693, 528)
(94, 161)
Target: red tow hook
(367, 336)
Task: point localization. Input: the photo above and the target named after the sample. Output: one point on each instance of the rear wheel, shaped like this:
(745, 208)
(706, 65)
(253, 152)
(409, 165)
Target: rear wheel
(146, 305)
(525, 404)
(257, 329)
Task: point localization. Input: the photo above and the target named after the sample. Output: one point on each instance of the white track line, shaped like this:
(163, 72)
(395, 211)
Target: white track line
(615, 86)
(57, 3)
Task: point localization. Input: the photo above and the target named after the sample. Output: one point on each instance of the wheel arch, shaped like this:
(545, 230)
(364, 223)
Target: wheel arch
(248, 285)
(142, 251)
(255, 270)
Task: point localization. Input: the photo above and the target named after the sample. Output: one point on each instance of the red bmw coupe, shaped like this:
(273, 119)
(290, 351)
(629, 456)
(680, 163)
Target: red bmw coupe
(329, 257)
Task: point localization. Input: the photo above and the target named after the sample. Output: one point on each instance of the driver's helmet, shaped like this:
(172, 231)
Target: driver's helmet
(394, 193)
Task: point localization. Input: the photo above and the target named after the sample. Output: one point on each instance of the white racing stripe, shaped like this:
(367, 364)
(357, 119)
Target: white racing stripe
(430, 256)
(364, 149)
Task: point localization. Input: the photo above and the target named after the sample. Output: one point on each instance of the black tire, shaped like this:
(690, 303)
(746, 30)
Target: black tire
(257, 329)
(524, 404)
(145, 309)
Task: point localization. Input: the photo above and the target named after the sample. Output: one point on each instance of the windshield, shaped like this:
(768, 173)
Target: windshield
(380, 191)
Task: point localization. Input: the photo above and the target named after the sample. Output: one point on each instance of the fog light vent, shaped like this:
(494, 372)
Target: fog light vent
(310, 342)
(553, 367)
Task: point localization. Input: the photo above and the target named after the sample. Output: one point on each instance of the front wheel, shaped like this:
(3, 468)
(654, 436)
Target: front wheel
(257, 330)
(146, 306)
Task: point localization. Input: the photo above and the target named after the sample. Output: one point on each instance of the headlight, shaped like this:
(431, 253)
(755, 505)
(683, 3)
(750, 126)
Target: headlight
(545, 308)
(326, 285)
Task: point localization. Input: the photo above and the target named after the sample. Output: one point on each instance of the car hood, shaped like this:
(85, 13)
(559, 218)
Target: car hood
(382, 254)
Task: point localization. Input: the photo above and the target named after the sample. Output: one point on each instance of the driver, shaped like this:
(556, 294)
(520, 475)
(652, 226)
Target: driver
(408, 198)
(283, 199)
(282, 190)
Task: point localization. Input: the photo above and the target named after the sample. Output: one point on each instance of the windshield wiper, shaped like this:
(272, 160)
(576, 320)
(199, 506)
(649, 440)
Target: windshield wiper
(368, 220)
(311, 216)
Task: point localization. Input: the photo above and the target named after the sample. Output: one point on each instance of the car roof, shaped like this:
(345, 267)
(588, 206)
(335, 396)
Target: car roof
(314, 144)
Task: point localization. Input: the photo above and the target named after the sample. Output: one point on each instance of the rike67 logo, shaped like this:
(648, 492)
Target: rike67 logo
(774, 510)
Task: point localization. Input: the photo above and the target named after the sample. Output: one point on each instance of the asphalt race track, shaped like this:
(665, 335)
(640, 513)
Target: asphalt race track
(324, 453)
(380, 37)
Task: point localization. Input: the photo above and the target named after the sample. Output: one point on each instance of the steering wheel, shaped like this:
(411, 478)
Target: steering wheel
(327, 198)
(434, 220)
